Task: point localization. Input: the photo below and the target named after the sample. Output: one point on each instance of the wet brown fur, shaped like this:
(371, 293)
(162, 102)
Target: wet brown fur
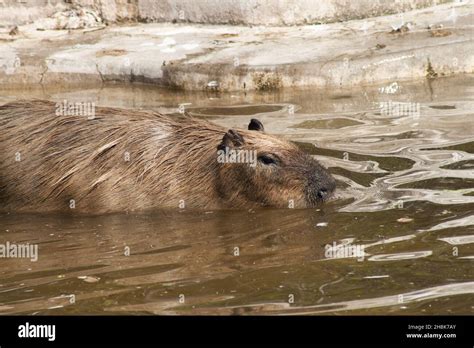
(172, 162)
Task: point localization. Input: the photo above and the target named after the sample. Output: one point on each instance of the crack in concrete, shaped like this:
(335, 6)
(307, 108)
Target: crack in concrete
(46, 68)
(100, 73)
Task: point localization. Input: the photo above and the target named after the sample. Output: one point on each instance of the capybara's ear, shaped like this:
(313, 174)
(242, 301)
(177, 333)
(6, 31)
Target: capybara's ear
(256, 125)
(231, 139)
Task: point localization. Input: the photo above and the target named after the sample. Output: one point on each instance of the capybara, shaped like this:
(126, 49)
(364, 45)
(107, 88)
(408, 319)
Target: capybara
(125, 160)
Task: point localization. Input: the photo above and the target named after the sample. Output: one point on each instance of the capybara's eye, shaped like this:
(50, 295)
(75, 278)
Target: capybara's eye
(267, 159)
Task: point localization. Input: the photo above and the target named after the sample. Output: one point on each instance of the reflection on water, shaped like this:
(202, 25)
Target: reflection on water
(397, 239)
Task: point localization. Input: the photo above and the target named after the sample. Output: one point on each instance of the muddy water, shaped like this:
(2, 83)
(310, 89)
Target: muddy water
(398, 238)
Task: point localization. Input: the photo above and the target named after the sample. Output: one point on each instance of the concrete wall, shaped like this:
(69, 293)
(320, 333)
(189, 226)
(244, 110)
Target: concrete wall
(114, 10)
(244, 12)
(17, 12)
(271, 12)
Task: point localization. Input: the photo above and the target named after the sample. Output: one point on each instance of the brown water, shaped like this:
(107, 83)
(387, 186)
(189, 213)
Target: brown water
(405, 166)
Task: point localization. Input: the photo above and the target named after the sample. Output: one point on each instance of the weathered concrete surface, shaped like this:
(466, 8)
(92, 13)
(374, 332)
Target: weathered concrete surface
(15, 12)
(235, 58)
(250, 12)
(235, 12)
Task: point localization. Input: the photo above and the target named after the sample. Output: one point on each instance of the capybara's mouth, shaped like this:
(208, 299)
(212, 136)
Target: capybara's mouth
(315, 200)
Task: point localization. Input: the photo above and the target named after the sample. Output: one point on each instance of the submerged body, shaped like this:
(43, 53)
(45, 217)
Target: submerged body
(126, 160)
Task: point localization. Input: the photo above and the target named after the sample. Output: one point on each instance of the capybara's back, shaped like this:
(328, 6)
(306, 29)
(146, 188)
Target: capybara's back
(126, 160)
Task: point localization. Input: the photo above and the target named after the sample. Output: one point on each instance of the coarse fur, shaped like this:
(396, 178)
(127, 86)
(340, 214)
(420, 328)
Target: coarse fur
(128, 160)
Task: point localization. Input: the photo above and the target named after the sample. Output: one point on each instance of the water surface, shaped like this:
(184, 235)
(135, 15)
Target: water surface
(405, 167)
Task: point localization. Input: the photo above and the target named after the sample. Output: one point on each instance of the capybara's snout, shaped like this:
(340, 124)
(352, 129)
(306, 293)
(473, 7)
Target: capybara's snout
(321, 185)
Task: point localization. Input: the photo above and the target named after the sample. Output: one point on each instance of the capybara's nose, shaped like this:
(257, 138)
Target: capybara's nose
(322, 193)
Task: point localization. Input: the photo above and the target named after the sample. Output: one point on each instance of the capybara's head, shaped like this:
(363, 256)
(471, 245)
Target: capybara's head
(269, 171)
